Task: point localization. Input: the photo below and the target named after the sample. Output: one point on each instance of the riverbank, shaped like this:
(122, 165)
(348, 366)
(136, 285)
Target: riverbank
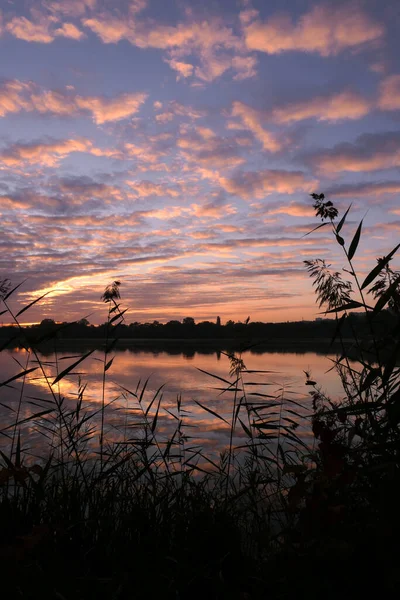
(200, 345)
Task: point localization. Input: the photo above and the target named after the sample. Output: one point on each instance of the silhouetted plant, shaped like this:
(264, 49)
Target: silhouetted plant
(323, 209)
(357, 455)
(388, 282)
(331, 290)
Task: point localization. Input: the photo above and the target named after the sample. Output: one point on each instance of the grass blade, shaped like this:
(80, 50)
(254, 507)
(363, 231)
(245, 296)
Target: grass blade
(378, 268)
(13, 290)
(315, 229)
(386, 295)
(211, 412)
(342, 220)
(22, 374)
(71, 367)
(216, 376)
(355, 241)
(31, 304)
(347, 306)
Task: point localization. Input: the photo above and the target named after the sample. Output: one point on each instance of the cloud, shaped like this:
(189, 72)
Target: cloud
(294, 209)
(217, 48)
(69, 30)
(183, 69)
(111, 109)
(16, 96)
(251, 120)
(370, 152)
(205, 132)
(48, 153)
(326, 29)
(147, 153)
(12, 99)
(41, 28)
(148, 188)
(108, 28)
(25, 199)
(259, 184)
(80, 189)
(164, 214)
(389, 97)
(175, 109)
(212, 210)
(70, 8)
(341, 105)
(210, 152)
(364, 189)
(245, 67)
(204, 49)
(32, 31)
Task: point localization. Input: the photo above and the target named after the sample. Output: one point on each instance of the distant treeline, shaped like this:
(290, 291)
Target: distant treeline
(190, 330)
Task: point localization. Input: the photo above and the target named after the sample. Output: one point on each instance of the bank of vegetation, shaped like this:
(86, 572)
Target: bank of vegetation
(151, 517)
(188, 330)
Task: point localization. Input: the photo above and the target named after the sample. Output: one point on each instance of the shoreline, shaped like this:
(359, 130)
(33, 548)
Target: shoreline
(257, 345)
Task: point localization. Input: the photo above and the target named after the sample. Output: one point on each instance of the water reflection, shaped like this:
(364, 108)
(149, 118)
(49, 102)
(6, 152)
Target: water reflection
(178, 371)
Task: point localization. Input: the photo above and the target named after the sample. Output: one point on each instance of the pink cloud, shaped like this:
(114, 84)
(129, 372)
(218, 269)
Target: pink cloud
(211, 210)
(148, 188)
(260, 184)
(12, 97)
(80, 191)
(216, 46)
(16, 96)
(175, 109)
(70, 8)
(183, 69)
(342, 105)
(213, 66)
(212, 152)
(389, 98)
(109, 29)
(42, 28)
(294, 209)
(111, 109)
(69, 30)
(12, 203)
(146, 153)
(326, 29)
(32, 31)
(251, 120)
(49, 101)
(48, 153)
(205, 132)
(164, 214)
(245, 67)
(370, 152)
(366, 189)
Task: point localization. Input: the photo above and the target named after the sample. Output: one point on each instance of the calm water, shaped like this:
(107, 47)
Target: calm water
(179, 374)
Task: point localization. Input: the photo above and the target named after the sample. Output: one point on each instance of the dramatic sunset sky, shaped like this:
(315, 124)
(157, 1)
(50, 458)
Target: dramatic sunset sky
(173, 145)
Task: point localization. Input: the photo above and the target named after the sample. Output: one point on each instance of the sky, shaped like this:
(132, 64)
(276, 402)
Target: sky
(173, 146)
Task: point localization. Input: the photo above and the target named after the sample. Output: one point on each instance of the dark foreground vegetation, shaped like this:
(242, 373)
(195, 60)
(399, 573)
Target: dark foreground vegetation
(149, 517)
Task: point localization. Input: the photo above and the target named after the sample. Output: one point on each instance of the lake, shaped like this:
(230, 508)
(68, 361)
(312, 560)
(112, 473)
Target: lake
(277, 374)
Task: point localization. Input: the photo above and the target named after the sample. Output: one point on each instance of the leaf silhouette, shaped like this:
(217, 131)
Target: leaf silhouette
(378, 268)
(355, 241)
